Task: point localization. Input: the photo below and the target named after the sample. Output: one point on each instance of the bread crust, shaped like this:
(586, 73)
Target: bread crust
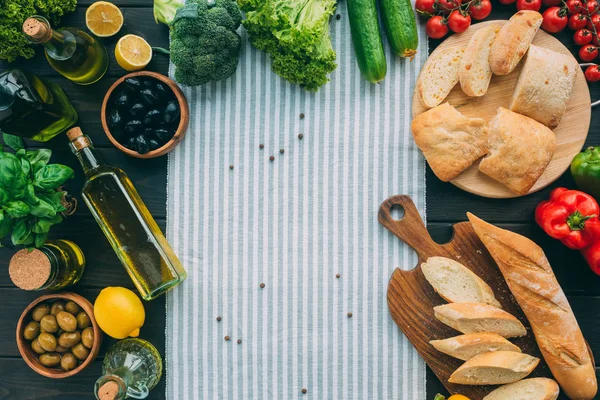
(475, 72)
(502, 362)
(536, 388)
(533, 284)
(438, 76)
(463, 346)
(513, 40)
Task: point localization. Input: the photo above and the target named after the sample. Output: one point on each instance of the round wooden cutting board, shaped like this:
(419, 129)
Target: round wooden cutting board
(570, 134)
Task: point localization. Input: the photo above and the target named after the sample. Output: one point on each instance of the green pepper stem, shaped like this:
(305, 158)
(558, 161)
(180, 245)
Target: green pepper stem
(576, 221)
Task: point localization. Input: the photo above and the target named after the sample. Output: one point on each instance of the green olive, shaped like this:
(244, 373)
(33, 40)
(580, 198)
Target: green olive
(83, 321)
(47, 341)
(48, 323)
(72, 307)
(60, 349)
(32, 330)
(69, 339)
(39, 311)
(68, 362)
(50, 359)
(35, 346)
(87, 337)
(66, 321)
(80, 351)
(57, 307)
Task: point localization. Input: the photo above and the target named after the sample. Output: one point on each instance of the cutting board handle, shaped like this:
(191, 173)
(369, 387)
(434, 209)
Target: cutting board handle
(410, 228)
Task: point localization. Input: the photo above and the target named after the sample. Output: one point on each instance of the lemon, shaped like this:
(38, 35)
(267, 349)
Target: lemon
(133, 52)
(103, 19)
(119, 312)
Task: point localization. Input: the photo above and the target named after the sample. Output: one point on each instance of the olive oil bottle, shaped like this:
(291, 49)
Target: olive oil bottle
(128, 225)
(70, 51)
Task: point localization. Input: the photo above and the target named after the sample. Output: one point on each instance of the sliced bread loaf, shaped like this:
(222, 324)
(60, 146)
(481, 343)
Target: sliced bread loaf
(465, 347)
(527, 389)
(479, 317)
(495, 368)
(438, 76)
(475, 72)
(456, 283)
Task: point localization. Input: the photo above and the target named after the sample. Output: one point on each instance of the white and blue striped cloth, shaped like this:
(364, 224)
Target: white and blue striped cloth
(292, 224)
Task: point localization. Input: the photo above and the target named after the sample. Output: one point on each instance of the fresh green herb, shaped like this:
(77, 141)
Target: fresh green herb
(31, 199)
(296, 35)
(12, 15)
(439, 397)
(164, 10)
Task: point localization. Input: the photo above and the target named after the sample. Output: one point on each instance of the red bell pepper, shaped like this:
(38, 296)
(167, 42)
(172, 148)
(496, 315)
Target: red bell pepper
(592, 256)
(570, 216)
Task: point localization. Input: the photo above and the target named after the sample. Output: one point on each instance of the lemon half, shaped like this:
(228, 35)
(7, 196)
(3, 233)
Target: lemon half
(133, 52)
(103, 19)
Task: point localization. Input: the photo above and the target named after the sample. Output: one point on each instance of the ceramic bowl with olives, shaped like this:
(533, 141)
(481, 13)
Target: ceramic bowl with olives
(145, 114)
(56, 335)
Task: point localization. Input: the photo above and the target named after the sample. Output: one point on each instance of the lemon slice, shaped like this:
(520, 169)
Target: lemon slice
(133, 52)
(103, 19)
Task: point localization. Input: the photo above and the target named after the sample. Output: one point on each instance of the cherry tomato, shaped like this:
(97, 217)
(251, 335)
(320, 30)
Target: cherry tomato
(595, 40)
(459, 22)
(436, 27)
(588, 53)
(507, 2)
(425, 6)
(592, 73)
(533, 5)
(594, 22)
(447, 5)
(577, 21)
(555, 20)
(481, 9)
(575, 6)
(592, 6)
(582, 37)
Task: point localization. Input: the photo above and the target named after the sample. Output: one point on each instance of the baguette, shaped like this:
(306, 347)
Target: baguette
(527, 389)
(455, 283)
(438, 76)
(495, 368)
(475, 73)
(533, 284)
(479, 317)
(467, 346)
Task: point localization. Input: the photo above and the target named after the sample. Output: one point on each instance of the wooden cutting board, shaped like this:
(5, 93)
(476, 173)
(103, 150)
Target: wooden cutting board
(411, 299)
(571, 133)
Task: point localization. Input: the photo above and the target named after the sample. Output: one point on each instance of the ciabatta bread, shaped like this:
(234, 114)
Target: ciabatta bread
(455, 283)
(475, 72)
(513, 40)
(465, 347)
(479, 317)
(520, 150)
(450, 142)
(531, 280)
(495, 368)
(527, 389)
(438, 76)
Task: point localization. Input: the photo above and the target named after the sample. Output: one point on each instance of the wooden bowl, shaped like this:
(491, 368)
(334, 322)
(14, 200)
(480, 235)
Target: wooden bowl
(183, 120)
(31, 358)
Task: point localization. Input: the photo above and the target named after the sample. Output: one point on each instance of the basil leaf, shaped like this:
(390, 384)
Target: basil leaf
(5, 225)
(40, 239)
(17, 209)
(11, 175)
(25, 166)
(20, 232)
(43, 225)
(54, 200)
(42, 209)
(38, 158)
(57, 219)
(29, 197)
(52, 176)
(12, 141)
(3, 196)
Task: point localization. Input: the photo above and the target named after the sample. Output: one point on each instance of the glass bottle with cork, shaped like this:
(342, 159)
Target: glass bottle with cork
(126, 222)
(70, 51)
(55, 265)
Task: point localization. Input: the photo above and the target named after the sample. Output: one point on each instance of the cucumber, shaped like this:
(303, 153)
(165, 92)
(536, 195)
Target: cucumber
(400, 26)
(364, 26)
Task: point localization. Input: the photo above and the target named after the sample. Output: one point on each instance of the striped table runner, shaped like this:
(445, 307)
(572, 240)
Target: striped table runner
(288, 266)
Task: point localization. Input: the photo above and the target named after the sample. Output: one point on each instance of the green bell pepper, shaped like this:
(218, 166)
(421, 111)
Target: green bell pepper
(585, 169)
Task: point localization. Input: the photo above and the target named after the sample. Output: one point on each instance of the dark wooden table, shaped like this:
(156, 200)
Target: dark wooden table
(445, 205)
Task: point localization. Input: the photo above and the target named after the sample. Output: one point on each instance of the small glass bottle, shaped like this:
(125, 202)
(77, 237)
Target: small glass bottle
(131, 368)
(70, 51)
(55, 265)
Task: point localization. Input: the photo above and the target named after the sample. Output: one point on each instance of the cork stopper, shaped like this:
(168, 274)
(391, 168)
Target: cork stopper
(29, 270)
(78, 140)
(108, 391)
(37, 30)
(74, 133)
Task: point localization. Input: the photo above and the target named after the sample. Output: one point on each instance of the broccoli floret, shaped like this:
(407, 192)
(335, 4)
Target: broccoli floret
(204, 43)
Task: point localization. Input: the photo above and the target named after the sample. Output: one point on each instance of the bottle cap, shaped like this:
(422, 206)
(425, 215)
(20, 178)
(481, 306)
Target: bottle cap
(29, 270)
(74, 133)
(36, 30)
(108, 391)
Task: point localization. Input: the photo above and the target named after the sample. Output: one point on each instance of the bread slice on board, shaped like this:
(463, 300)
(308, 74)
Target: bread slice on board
(479, 317)
(495, 368)
(520, 150)
(465, 347)
(438, 76)
(450, 142)
(527, 389)
(545, 85)
(513, 40)
(455, 283)
(475, 73)
(532, 282)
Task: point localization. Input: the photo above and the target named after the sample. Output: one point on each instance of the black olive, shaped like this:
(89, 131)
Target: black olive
(163, 92)
(152, 117)
(122, 100)
(134, 127)
(148, 82)
(141, 145)
(153, 144)
(171, 113)
(137, 110)
(162, 135)
(133, 84)
(130, 144)
(149, 132)
(149, 97)
(115, 121)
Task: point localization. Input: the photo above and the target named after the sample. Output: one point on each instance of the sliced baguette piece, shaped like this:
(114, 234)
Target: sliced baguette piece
(479, 317)
(439, 76)
(494, 368)
(465, 347)
(475, 73)
(455, 283)
(527, 389)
